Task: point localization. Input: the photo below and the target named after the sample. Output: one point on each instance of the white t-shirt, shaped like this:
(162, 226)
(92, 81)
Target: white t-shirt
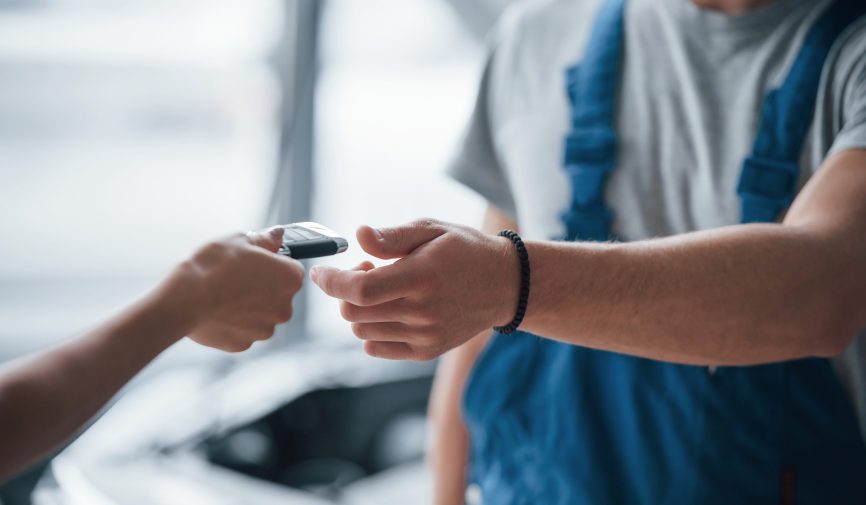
(692, 85)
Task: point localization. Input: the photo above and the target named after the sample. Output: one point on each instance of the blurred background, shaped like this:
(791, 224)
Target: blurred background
(133, 130)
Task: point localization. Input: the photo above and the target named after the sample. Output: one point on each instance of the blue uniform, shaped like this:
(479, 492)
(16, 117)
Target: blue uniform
(552, 423)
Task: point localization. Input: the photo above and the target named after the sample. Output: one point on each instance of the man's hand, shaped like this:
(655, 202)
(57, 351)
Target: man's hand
(236, 290)
(450, 283)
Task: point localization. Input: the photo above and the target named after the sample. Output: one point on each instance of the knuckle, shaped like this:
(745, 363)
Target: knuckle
(229, 243)
(348, 311)
(281, 313)
(428, 335)
(450, 240)
(235, 347)
(426, 222)
(394, 235)
(372, 349)
(212, 250)
(266, 334)
(361, 330)
(364, 292)
(421, 314)
(298, 272)
(424, 354)
(292, 278)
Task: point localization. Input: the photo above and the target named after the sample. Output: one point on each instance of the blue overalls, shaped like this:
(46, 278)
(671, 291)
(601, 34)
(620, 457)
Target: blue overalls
(552, 423)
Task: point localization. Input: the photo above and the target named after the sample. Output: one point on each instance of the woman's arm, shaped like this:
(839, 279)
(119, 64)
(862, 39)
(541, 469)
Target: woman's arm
(449, 441)
(228, 295)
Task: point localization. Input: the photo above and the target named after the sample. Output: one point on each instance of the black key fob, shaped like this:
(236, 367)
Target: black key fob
(310, 240)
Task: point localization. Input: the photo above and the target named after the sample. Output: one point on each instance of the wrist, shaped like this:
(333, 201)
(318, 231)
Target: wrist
(179, 301)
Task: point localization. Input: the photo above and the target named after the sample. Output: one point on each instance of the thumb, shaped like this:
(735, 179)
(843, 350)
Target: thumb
(270, 239)
(399, 241)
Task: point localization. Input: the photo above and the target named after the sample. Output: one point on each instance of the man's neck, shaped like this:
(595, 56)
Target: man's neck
(732, 7)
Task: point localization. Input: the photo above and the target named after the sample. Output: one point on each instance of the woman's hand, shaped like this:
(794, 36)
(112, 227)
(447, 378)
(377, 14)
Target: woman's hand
(451, 283)
(235, 291)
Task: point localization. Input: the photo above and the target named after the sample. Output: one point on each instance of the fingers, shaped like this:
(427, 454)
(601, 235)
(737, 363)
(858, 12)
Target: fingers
(400, 310)
(399, 241)
(243, 289)
(229, 337)
(397, 351)
(360, 287)
(271, 288)
(283, 311)
(270, 239)
(397, 341)
(294, 270)
(384, 332)
(277, 295)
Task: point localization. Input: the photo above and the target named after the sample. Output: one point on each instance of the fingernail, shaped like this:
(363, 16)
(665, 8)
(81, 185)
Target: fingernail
(314, 273)
(378, 234)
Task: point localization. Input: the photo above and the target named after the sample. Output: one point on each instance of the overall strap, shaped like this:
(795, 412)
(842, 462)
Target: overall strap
(769, 176)
(591, 145)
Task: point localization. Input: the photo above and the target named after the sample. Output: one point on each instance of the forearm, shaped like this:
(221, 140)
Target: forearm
(737, 295)
(449, 442)
(448, 450)
(228, 295)
(44, 400)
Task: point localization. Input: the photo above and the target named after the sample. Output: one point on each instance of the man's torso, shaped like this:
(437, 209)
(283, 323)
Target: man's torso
(692, 86)
(688, 102)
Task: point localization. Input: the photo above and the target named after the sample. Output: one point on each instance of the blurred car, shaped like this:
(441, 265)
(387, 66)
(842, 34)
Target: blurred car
(308, 426)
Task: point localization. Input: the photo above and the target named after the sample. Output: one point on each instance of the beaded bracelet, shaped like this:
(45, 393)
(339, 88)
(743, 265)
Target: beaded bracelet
(523, 297)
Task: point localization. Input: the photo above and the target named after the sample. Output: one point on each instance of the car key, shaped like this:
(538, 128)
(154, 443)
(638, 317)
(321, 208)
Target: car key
(310, 240)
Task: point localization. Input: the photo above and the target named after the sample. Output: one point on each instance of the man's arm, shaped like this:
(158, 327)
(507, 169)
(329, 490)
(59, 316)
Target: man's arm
(448, 447)
(230, 294)
(737, 295)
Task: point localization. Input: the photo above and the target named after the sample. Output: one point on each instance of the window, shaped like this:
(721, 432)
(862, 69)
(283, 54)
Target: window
(130, 132)
(397, 85)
